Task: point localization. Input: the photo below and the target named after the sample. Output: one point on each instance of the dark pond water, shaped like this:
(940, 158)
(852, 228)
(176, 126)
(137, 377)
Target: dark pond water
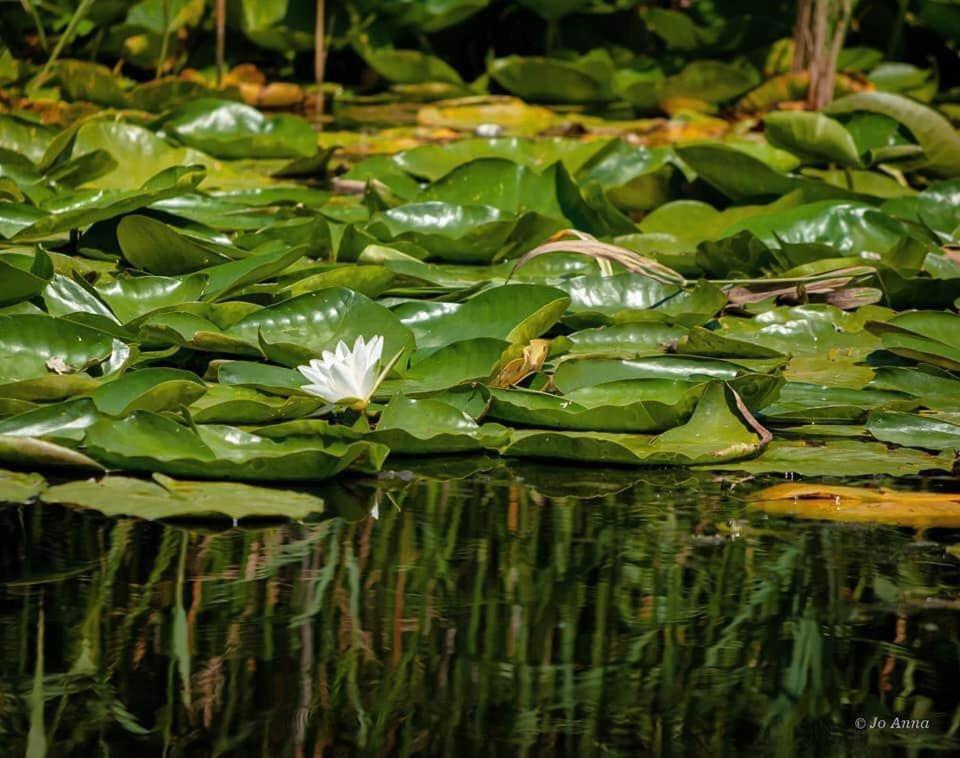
(500, 614)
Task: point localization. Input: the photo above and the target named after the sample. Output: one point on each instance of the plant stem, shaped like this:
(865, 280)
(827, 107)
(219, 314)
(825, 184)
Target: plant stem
(320, 57)
(801, 36)
(221, 40)
(30, 8)
(896, 35)
(65, 38)
(165, 44)
(818, 35)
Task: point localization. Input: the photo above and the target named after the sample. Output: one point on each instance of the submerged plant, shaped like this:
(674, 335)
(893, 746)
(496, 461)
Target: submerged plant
(348, 376)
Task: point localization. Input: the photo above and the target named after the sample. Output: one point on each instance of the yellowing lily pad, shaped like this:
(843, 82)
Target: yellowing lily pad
(921, 510)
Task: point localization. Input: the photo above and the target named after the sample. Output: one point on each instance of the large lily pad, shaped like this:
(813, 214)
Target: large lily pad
(516, 313)
(416, 427)
(714, 434)
(636, 406)
(146, 441)
(227, 129)
(167, 498)
(302, 327)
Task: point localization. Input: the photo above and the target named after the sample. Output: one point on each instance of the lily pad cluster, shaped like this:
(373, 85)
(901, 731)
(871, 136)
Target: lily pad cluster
(777, 301)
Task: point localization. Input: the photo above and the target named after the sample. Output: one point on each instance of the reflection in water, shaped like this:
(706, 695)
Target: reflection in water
(488, 616)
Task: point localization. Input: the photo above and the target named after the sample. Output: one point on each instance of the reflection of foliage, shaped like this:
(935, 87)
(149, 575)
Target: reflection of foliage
(474, 614)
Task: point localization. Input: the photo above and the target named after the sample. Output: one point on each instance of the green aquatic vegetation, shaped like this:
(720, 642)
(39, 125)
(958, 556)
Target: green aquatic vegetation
(589, 294)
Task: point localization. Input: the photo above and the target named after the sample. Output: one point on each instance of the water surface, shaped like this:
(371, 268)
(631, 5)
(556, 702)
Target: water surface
(509, 612)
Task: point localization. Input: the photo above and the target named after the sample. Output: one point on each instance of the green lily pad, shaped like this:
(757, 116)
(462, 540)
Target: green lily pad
(635, 406)
(924, 431)
(810, 403)
(23, 277)
(132, 298)
(714, 434)
(515, 313)
(433, 370)
(156, 247)
(34, 346)
(846, 458)
(757, 389)
(586, 79)
(420, 427)
(273, 379)
(148, 442)
(226, 129)
(461, 233)
(925, 336)
(225, 404)
(148, 389)
(812, 136)
(735, 173)
(936, 135)
(63, 422)
(168, 498)
(19, 488)
(301, 328)
(36, 453)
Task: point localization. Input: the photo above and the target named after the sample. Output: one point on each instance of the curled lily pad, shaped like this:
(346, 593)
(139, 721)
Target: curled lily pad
(625, 340)
(716, 433)
(937, 390)
(276, 380)
(555, 80)
(639, 406)
(224, 404)
(757, 389)
(628, 298)
(85, 207)
(22, 276)
(155, 247)
(735, 173)
(148, 389)
(432, 370)
(812, 135)
(503, 184)
(431, 162)
(925, 336)
(936, 136)
(800, 402)
(131, 298)
(33, 452)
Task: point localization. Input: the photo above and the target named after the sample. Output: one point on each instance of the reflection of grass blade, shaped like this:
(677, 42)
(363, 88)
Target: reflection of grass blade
(181, 637)
(37, 737)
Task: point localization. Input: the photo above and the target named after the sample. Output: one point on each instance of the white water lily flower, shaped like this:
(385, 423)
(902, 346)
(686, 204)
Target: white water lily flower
(347, 376)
